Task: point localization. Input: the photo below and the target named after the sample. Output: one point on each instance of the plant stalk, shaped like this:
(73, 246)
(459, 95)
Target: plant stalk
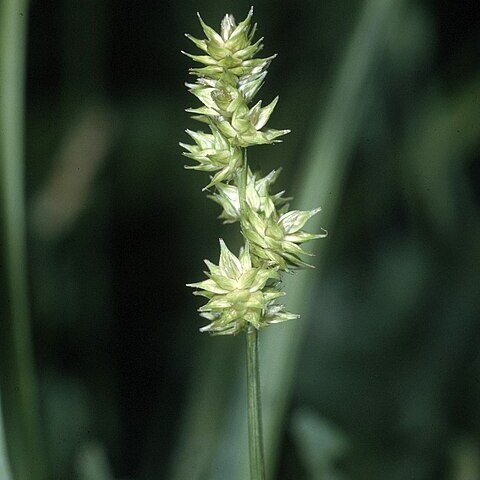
(255, 429)
(18, 381)
(242, 185)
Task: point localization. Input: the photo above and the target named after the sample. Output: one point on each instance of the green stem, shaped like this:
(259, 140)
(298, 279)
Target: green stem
(19, 389)
(255, 430)
(242, 184)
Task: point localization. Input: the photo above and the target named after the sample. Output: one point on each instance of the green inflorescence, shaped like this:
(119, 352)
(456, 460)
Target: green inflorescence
(241, 291)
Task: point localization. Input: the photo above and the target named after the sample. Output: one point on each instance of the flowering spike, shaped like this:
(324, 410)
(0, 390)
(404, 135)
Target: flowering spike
(241, 291)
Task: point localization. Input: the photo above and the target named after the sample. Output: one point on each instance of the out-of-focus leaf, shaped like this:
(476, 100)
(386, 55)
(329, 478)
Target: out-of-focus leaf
(68, 190)
(465, 458)
(214, 369)
(5, 472)
(92, 462)
(17, 370)
(440, 141)
(68, 418)
(319, 443)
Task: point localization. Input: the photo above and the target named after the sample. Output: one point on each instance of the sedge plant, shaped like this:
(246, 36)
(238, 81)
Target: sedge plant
(242, 291)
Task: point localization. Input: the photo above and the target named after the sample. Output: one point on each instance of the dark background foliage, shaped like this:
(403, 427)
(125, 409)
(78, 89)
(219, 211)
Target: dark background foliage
(387, 385)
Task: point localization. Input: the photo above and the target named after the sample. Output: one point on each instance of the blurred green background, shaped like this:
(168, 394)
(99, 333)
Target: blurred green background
(380, 378)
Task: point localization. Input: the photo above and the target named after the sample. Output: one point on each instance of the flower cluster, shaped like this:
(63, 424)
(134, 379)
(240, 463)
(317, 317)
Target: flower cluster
(257, 197)
(241, 292)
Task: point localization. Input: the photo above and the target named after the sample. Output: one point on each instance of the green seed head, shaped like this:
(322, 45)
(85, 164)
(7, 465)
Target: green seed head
(241, 291)
(214, 154)
(239, 294)
(276, 240)
(229, 80)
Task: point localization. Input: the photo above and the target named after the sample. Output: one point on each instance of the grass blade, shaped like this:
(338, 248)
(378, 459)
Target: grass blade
(19, 387)
(5, 472)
